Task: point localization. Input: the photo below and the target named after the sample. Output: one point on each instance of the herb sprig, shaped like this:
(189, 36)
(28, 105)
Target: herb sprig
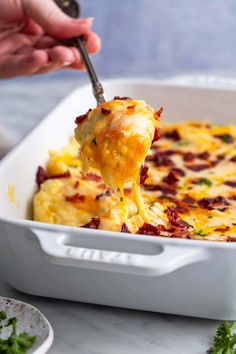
(14, 344)
(225, 339)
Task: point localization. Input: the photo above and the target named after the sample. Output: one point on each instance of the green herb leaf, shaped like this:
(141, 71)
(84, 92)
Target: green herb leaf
(225, 339)
(205, 181)
(16, 344)
(3, 315)
(121, 199)
(182, 143)
(94, 141)
(199, 233)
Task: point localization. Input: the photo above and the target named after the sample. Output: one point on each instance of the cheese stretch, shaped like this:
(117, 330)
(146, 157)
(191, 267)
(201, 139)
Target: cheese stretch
(190, 191)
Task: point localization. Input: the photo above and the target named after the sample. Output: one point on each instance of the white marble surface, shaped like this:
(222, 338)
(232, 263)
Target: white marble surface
(83, 328)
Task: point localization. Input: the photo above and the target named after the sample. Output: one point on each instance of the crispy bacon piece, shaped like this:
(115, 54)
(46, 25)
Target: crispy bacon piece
(181, 207)
(170, 178)
(188, 156)
(222, 229)
(181, 232)
(102, 195)
(157, 135)
(189, 200)
(160, 187)
(161, 159)
(81, 118)
(175, 219)
(77, 197)
(131, 107)
(76, 184)
(213, 203)
(41, 176)
(173, 135)
(178, 171)
(204, 155)
(92, 177)
(233, 159)
(124, 228)
(158, 113)
(105, 111)
(230, 184)
(143, 174)
(151, 230)
(93, 224)
(226, 138)
(197, 168)
(124, 98)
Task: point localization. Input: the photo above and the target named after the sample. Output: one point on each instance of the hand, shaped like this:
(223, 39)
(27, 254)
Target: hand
(30, 34)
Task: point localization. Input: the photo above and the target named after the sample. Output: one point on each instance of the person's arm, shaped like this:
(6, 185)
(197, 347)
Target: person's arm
(30, 34)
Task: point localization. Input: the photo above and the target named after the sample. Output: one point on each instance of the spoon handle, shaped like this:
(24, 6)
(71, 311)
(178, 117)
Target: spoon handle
(97, 87)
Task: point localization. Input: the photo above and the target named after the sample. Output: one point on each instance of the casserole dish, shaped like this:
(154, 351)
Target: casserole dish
(186, 277)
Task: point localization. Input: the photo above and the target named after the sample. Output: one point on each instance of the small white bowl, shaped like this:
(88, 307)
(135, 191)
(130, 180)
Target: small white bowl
(30, 320)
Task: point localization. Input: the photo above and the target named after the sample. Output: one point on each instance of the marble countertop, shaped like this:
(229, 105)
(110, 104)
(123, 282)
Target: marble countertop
(83, 328)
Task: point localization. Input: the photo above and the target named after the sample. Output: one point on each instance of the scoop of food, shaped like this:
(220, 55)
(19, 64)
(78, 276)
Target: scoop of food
(115, 138)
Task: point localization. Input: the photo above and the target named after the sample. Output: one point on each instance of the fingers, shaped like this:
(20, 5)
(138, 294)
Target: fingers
(22, 64)
(93, 43)
(48, 15)
(15, 42)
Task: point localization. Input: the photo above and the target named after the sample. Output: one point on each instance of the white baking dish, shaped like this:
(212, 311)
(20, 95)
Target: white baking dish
(194, 278)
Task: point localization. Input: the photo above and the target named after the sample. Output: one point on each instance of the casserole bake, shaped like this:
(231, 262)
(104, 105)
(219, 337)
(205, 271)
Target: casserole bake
(195, 278)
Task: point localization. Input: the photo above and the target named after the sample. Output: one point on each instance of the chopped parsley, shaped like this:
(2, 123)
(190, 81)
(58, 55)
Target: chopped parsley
(94, 141)
(121, 199)
(210, 217)
(224, 341)
(205, 181)
(199, 233)
(14, 344)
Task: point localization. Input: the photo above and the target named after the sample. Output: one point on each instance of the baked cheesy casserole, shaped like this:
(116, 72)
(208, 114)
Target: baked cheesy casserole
(188, 180)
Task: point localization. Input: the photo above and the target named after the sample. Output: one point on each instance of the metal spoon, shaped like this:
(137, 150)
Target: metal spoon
(72, 9)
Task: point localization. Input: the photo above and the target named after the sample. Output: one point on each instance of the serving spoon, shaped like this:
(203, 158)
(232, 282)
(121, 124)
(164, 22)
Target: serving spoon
(72, 9)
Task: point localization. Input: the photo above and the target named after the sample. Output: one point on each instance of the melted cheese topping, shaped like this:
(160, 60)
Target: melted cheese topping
(115, 138)
(192, 168)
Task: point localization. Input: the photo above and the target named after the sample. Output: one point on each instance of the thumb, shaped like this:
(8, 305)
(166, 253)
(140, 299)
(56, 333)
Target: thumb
(52, 19)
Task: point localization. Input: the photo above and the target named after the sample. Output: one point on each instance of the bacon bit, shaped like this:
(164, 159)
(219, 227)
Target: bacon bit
(143, 174)
(162, 159)
(158, 113)
(93, 224)
(105, 111)
(160, 187)
(222, 229)
(188, 156)
(92, 177)
(173, 135)
(76, 184)
(175, 219)
(213, 203)
(181, 232)
(181, 207)
(124, 228)
(81, 118)
(226, 138)
(75, 198)
(189, 200)
(204, 155)
(122, 98)
(233, 159)
(101, 186)
(127, 190)
(102, 195)
(41, 176)
(178, 171)
(230, 183)
(157, 135)
(170, 178)
(132, 107)
(151, 230)
(197, 168)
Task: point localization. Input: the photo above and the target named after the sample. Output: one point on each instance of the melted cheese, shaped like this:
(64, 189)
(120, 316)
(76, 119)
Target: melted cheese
(215, 224)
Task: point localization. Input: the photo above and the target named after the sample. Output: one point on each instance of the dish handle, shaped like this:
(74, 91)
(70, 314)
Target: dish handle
(169, 259)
